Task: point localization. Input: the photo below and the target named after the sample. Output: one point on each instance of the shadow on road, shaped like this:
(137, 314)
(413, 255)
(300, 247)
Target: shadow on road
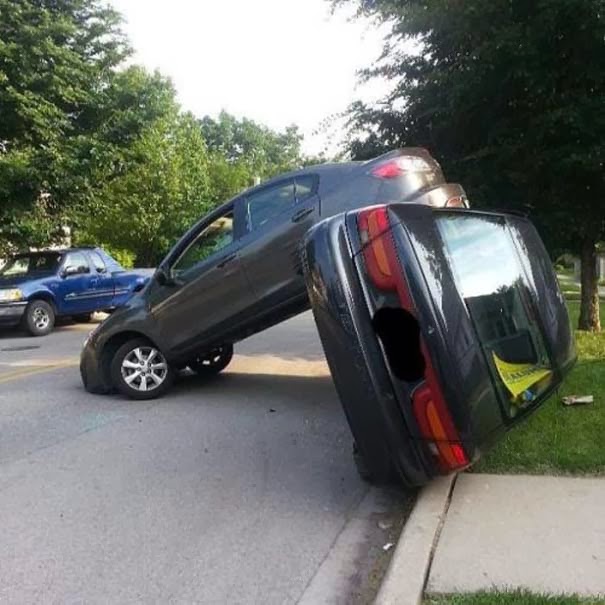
(264, 390)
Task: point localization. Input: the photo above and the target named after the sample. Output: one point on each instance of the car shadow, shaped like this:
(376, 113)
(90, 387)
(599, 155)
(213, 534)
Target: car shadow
(258, 389)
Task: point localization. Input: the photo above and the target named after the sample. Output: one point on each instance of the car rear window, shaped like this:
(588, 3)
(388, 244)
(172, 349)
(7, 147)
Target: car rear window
(487, 268)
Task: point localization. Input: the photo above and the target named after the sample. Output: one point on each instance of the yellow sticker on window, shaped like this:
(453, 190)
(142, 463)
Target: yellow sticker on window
(518, 377)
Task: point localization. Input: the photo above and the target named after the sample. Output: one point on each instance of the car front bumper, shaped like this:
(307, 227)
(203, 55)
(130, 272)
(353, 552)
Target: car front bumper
(11, 313)
(91, 369)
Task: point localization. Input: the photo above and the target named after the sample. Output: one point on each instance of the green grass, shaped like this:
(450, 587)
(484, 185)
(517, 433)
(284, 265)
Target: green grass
(510, 598)
(558, 439)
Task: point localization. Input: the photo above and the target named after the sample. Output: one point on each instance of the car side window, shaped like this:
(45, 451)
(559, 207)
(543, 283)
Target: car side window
(98, 262)
(76, 262)
(261, 207)
(215, 237)
(306, 187)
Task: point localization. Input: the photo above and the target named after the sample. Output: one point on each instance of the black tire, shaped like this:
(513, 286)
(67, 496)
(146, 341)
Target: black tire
(83, 318)
(212, 363)
(366, 473)
(39, 318)
(123, 368)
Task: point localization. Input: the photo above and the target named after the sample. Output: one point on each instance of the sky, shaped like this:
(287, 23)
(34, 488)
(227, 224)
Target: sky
(278, 62)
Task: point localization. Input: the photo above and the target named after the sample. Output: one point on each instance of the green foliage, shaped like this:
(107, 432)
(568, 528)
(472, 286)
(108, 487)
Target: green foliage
(105, 149)
(244, 143)
(159, 190)
(510, 597)
(508, 94)
(570, 437)
(55, 59)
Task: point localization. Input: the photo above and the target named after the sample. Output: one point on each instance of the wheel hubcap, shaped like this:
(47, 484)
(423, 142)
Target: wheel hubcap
(144, 369)
(41, 319)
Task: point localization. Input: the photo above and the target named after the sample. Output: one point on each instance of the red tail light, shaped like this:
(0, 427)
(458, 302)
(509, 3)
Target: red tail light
(437, 429)
(385, 272)
(396, 167)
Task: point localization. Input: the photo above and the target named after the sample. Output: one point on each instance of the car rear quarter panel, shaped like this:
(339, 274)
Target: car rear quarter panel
(354, 355)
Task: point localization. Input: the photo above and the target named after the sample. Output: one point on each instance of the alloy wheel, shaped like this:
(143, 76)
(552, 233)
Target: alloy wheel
(144, 369)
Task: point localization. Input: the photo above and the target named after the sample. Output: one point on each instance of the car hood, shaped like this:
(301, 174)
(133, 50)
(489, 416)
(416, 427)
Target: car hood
(14, 281)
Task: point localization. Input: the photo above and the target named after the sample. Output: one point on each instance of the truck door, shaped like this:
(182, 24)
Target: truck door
(75, 292)
(102, 283)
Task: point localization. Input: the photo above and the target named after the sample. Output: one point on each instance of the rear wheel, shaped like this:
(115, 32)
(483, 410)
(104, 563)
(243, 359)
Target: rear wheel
(140, 371)
(39, 318)
(213, 362)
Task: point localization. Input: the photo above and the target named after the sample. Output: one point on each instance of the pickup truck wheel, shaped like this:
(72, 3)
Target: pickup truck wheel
(39, 318)
(140, 371)
(83, 318)
(213, 362)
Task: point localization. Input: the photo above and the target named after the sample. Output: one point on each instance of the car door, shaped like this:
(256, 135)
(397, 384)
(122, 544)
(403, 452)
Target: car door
(204, 290)
(102, 282)
(75, 291)
(278, 216)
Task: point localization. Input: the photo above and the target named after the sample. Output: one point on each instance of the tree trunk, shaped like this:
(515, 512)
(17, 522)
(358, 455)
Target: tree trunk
(589, 308)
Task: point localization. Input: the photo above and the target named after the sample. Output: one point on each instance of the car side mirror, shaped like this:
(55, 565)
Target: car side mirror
(70, 271)
(164, 278)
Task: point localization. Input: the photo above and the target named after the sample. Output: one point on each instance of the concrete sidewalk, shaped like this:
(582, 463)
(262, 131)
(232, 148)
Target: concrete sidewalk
(491, 532)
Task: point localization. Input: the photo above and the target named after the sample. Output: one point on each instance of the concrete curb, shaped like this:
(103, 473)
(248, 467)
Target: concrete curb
(406, 576)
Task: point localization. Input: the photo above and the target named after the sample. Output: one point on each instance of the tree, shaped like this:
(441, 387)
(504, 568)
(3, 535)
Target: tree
(55, 57)
(509, 94)
(161, 189)
(263, 151)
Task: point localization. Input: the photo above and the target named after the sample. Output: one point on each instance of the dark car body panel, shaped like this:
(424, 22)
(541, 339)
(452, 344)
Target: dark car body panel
(256, 280)
(378, 405)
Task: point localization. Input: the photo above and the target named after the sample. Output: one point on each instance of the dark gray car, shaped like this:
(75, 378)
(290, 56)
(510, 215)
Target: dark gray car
(238, 271)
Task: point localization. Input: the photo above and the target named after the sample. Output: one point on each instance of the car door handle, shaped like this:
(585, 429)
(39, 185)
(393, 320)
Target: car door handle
(302, 214)
(226, 261)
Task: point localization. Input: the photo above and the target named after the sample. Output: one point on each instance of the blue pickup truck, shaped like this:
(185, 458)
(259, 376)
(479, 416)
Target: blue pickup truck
(38, 287)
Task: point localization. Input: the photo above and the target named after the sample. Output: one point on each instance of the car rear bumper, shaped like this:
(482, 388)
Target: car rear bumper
(11, 313)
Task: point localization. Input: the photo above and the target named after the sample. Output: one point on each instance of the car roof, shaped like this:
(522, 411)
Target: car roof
(57, 251)
(318, 169)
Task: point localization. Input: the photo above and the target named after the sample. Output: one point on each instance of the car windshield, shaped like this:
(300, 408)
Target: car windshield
(26, 264)
(487, 268)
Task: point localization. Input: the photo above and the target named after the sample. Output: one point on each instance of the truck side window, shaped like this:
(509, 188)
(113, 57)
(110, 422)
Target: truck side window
(97, 262)
(76, 262)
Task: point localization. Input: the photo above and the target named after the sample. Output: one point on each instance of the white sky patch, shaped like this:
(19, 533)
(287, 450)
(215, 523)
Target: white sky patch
(277, 62)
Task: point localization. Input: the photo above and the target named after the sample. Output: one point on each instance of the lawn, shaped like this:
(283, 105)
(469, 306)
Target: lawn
(509, 598)
(557, 439)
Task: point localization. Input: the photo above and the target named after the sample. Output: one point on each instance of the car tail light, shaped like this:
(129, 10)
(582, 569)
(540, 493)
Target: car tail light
(436, 427)
(396, 167)
(385, 272)
(457, 202)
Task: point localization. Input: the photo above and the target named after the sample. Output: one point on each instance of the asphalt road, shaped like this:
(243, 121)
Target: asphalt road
(237, 490)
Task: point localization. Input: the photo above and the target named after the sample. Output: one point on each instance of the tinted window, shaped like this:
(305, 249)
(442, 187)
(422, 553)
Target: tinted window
(97, 262)
(215, 237)
(306, 186)
(489, 275)
(77, 260)
(22, 265)
(269, 203)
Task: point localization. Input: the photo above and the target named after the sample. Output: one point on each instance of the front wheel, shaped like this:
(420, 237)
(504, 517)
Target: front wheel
(213, 362)
(39, 318)
(140, 371)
